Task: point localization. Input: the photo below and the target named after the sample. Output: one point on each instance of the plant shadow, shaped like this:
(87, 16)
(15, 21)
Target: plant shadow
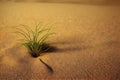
(48, 48)
(64, 47)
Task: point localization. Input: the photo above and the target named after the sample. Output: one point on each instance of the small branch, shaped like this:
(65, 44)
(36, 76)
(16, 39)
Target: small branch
(48, 67)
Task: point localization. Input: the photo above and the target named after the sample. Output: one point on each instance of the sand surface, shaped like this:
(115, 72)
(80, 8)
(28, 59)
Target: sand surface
(87, 41)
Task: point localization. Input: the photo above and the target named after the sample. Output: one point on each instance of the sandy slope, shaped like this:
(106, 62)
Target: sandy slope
(87, 42)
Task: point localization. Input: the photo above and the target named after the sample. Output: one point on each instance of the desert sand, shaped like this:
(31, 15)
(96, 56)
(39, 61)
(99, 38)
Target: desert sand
(87, 40)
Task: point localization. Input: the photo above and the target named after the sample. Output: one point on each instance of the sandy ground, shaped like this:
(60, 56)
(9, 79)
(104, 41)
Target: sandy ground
(87, 41)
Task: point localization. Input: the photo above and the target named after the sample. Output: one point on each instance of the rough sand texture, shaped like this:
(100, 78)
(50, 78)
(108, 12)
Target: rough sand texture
(87, 42)
(98, 2)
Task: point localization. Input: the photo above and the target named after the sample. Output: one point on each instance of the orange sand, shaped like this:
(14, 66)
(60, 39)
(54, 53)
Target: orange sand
(87, 39)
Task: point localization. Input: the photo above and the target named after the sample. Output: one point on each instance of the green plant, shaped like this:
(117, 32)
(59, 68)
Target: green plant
(31, 39)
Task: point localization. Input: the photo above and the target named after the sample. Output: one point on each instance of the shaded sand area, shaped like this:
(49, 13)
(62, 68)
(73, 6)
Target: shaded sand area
(87, 41)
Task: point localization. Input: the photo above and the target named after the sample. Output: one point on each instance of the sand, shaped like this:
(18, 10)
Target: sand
(87, 41)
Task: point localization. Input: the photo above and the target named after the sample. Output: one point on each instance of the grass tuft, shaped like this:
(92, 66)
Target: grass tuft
(34, 40)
